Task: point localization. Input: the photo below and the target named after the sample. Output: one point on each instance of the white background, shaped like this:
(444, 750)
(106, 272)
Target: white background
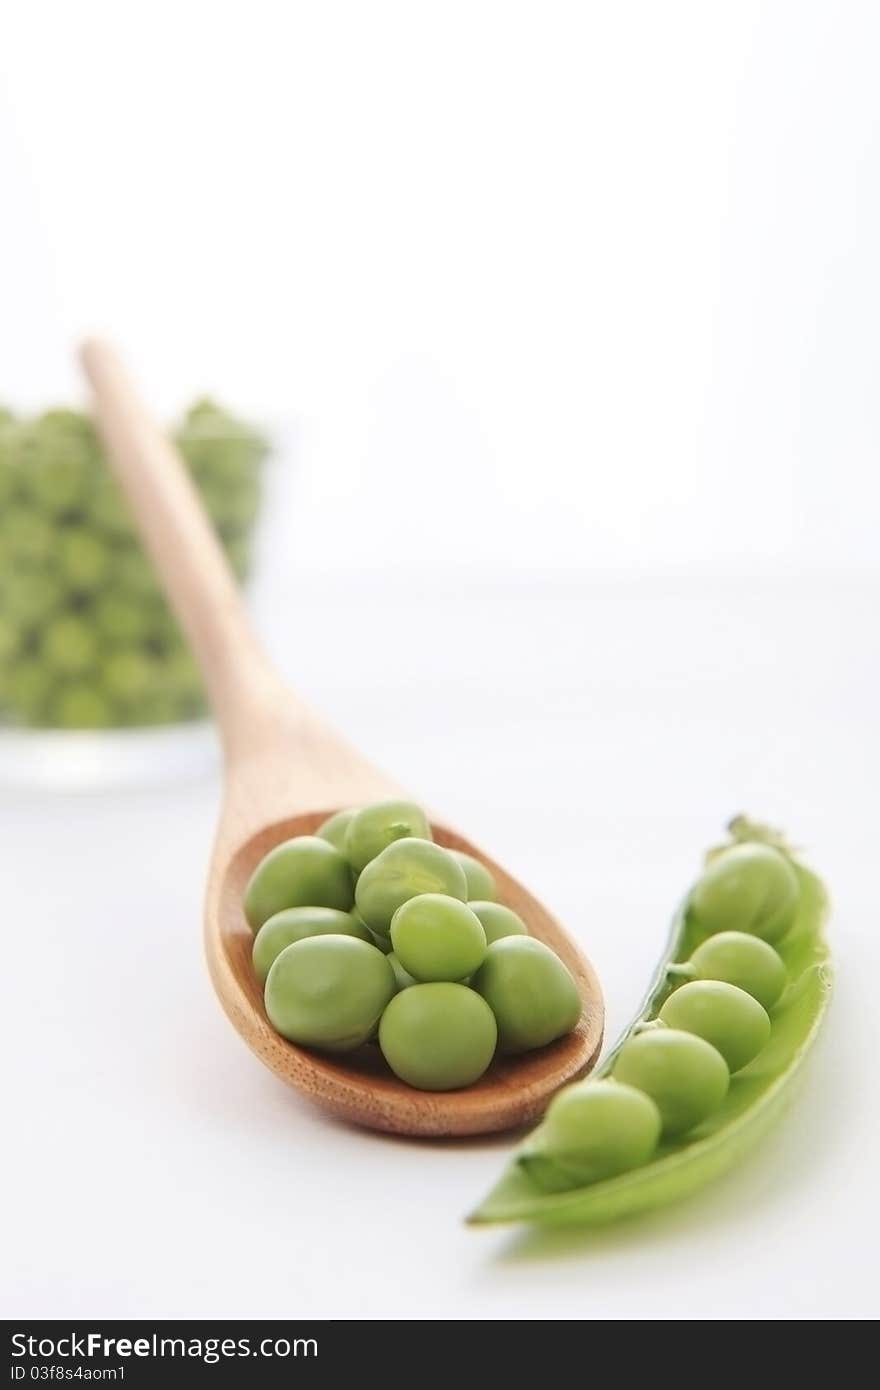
(591, 285)
(575, 308)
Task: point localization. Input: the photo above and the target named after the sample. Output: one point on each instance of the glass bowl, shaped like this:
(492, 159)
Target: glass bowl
(97, 685)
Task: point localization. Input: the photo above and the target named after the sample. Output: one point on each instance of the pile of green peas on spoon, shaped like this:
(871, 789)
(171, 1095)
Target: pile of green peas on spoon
(734, 1007)
(369, 931)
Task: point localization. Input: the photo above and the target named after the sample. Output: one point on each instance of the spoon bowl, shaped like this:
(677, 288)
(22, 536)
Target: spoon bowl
(358, 1086)
(285, 772)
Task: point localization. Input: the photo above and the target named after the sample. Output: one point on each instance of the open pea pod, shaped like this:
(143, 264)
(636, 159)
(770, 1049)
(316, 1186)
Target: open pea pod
(756, 1095)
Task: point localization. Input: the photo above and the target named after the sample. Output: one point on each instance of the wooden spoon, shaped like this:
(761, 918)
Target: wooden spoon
(285, 772)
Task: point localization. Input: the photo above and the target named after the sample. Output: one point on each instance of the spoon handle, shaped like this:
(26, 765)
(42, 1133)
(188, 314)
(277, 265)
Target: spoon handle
(241, 683)
(281, 758)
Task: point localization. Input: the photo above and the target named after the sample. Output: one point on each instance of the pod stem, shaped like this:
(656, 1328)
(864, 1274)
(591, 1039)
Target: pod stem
(681, 970)
(745, 831)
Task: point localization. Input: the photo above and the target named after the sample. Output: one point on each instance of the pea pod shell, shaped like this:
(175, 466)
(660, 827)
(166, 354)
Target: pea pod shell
(756, 1096)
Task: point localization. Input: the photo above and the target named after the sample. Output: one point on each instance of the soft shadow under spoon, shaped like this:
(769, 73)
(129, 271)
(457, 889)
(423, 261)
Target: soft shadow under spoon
(285, 771)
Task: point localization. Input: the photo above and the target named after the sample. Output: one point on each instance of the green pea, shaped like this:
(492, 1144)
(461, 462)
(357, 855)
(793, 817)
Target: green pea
(232, 505)
(10, 472)
(592, 1130)
(161, 707)
(72, 427)
(742, 960)
(69, 644)
(135, 575)
(203, 411)
(751, 888)
(328, 991)
(79, 705)
(480, 883)
(296, 923)
(153, 687)
(122, 618)
(163, 631)
(436, 937)
(31, 596)
(438, 1037)
(334, 828)
(62, 462)
(129, 673)
(531, 993)
(405, 869)
(498, 921)
(728, 1018)
(109, 511)
(684, 1075)
(8, 485)
(28, 687)
(402, 977)
(218, 448)
(302, 872)
(375, 827)
(84, 559)
(27, 537)
(9, 637)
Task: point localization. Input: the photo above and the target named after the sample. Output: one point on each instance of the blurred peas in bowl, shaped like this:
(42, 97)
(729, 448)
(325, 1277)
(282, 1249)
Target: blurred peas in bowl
(87, 641)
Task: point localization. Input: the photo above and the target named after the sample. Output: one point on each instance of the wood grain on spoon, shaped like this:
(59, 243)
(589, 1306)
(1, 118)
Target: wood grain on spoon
(285, 771)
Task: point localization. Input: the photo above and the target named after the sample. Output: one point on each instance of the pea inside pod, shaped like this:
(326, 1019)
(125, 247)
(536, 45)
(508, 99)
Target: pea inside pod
(748, 887)
(739, 959)
(685, 1076)
(723, 1015)
(709, 1123)
(593, 1130)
